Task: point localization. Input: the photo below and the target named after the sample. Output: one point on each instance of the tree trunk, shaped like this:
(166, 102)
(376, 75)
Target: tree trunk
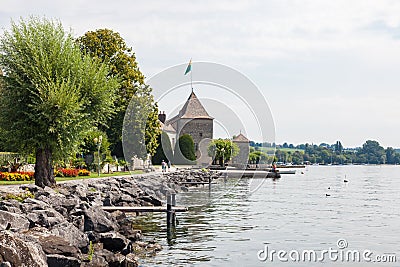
(44, 172)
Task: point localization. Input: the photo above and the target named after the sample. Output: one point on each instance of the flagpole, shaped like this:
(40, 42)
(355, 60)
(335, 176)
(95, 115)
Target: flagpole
(191, 80)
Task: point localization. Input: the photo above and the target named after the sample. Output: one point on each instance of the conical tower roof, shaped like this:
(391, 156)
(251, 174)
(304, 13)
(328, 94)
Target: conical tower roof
(193, 109)
(241, 138)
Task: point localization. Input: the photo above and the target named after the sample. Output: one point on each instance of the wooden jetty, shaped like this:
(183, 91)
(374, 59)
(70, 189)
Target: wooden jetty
(143, 209)
(170, 209)
(196, 183)
(250, 174)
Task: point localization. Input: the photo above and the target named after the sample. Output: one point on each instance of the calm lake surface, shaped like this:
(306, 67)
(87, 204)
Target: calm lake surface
(230, 224)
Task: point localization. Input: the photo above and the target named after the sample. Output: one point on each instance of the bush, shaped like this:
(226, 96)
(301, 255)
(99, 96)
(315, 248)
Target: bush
(66, 173)
(16, 176)
(84, 172)
(184, 151)
(20, 197)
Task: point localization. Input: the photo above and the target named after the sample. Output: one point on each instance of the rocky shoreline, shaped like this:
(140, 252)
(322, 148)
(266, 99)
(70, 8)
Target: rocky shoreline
(66, 226)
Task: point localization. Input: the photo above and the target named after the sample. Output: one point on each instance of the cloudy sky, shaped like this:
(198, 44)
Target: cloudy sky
(330, 70)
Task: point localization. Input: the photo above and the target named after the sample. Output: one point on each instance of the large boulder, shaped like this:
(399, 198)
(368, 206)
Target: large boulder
(113, 241)
(98, 220)
(46, 218)
(56, 260)
(131, 261)
(11, 205)
(13, 221)
(73, 235)
(21, 250)
(53, 244)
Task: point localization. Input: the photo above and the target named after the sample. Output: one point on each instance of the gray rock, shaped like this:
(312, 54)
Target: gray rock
(113, 259)
(98, 220)
(21, 250)
(97, 261)
(18, 222)
(78, 221)
(72, 234)
(11, 205)
(30, 187)
(46, 218)
(55, 260)
(113, 241)
(131, 261)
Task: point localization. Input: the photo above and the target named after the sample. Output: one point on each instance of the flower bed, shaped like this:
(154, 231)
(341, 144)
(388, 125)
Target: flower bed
(16, 176)
(83, 172)
(66, 173)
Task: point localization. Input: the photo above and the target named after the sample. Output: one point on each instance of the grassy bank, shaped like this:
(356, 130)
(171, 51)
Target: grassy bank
(61, 179)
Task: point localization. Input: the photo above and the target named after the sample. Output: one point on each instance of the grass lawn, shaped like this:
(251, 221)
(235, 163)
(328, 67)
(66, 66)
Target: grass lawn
(60, 179)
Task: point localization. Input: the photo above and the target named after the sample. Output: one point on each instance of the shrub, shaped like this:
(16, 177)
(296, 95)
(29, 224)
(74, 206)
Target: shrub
(20, 197)
(66, 173)
(184, 150)
(83, 172)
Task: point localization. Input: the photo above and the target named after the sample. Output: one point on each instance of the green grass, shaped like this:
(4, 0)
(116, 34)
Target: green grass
(61, 179)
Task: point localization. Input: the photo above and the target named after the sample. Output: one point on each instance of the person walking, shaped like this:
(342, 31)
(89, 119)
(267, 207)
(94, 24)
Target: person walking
(163, 166)
(169, 164)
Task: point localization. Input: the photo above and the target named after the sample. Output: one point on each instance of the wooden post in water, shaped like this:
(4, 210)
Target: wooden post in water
(209, 182)
(169, 209)
(173, 204)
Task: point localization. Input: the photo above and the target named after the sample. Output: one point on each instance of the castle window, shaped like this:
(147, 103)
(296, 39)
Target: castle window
(201, 134)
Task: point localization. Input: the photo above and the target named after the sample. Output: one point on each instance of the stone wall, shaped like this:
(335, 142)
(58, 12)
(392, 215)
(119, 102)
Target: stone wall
(199, 129)
(242, 158)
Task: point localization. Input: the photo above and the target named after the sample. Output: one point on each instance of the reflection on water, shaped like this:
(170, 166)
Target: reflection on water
(227, 226)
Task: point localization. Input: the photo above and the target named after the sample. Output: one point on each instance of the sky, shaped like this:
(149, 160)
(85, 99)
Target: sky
(328, 69)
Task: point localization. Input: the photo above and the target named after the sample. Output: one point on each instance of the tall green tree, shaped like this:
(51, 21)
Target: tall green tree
(164, 149)
(51, 93)
(109, 47)
(223, 150)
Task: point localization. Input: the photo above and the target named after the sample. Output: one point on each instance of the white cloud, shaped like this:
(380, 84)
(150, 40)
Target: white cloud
(308, 50)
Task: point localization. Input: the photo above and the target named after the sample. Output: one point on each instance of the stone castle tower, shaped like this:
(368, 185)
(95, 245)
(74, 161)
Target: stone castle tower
(192, 119)
(244, 145)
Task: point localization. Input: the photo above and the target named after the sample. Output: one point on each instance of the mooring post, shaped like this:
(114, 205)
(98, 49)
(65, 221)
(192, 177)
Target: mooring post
(209, 182)
(173, 204)
(169, 210)
(225, 176)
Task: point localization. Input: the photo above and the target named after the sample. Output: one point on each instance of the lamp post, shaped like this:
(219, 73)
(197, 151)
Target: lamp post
(98, 142)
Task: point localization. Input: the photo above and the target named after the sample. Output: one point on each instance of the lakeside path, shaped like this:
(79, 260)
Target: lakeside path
(66, 226)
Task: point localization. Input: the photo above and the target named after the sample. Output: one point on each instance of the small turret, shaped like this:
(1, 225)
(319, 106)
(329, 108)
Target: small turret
(162, 116)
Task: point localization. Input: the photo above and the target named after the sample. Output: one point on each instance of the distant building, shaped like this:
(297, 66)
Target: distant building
(192, 119)
(244, 145)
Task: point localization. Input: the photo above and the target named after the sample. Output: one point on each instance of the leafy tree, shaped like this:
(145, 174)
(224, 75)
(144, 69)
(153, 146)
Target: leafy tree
(390, 155)
(184, 150)
(372, 152)
(338, 147)
(51, 93)
(89, 144)
(135, 135)
(223, 150)
(110, 47)
(164, 149)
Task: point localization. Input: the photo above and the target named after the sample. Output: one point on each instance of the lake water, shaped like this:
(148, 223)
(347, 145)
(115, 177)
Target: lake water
(232, 224)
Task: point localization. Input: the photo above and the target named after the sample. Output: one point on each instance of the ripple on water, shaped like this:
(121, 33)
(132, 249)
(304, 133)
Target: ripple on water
(228, 228)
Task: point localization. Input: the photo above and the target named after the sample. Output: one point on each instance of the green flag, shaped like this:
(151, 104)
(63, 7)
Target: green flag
(189, 67)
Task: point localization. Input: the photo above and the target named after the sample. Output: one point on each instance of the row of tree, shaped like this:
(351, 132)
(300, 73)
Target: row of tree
(59, 94)
(371, 152)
